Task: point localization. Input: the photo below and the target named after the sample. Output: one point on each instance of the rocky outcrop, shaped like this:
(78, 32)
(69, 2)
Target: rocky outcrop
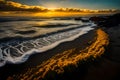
(107, 21)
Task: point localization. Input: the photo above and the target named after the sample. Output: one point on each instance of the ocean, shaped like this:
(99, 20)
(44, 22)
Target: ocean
(20, 37)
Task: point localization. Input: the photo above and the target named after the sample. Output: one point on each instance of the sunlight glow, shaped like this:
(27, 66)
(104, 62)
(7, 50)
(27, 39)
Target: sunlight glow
(52, 9)
(58, 14)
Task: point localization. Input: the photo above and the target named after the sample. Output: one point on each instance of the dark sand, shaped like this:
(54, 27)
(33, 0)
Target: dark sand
(108, 67)
(37, 59)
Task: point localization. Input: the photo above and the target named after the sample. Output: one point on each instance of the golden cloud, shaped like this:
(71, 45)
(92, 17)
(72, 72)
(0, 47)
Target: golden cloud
(14, 6)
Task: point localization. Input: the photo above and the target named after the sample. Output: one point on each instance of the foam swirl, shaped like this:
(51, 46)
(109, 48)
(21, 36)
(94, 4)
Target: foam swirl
(16, 51)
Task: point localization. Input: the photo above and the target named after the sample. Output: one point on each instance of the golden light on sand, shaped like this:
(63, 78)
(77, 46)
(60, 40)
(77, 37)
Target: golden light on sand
(58, 63)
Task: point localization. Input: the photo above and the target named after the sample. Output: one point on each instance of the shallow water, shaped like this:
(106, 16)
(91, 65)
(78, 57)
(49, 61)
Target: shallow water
(22, 37)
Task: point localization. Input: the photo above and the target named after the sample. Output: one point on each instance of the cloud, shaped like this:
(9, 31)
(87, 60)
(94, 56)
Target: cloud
(14, 6)
(85, 10)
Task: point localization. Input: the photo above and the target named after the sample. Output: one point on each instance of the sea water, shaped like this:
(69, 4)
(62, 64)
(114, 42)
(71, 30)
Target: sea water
(21, 37)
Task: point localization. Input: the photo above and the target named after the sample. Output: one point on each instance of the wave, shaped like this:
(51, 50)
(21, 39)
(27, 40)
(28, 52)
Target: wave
(34, 28)
(26, 32)
(53, 25)
(18, 51)
(23, 37)
(12, 19)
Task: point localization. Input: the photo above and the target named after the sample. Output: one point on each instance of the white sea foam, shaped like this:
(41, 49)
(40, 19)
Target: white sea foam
(21, 51)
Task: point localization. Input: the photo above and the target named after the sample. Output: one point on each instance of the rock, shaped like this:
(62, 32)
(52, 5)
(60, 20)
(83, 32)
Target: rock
(107, 21)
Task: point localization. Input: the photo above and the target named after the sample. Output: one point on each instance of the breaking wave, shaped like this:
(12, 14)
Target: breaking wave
(18, 43)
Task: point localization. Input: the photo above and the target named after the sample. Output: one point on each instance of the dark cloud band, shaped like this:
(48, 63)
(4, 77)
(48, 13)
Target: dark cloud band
(13, 6)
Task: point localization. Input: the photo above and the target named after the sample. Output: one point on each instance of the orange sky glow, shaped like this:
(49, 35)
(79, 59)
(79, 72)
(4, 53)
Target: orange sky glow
(11, 8)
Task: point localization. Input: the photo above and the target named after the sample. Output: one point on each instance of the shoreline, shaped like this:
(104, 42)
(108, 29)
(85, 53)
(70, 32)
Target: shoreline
(36, 59)
(63, 64)
(103, 66)
(25, 48)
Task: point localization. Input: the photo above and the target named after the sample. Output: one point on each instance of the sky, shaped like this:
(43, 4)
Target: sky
(51, 7)
(83, 4)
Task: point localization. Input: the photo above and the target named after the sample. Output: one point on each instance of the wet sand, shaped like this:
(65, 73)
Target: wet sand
(68, 65)
(37, 59)
(107, 67)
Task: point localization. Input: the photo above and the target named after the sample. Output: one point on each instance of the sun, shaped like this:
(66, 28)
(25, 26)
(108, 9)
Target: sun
(52, 9)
